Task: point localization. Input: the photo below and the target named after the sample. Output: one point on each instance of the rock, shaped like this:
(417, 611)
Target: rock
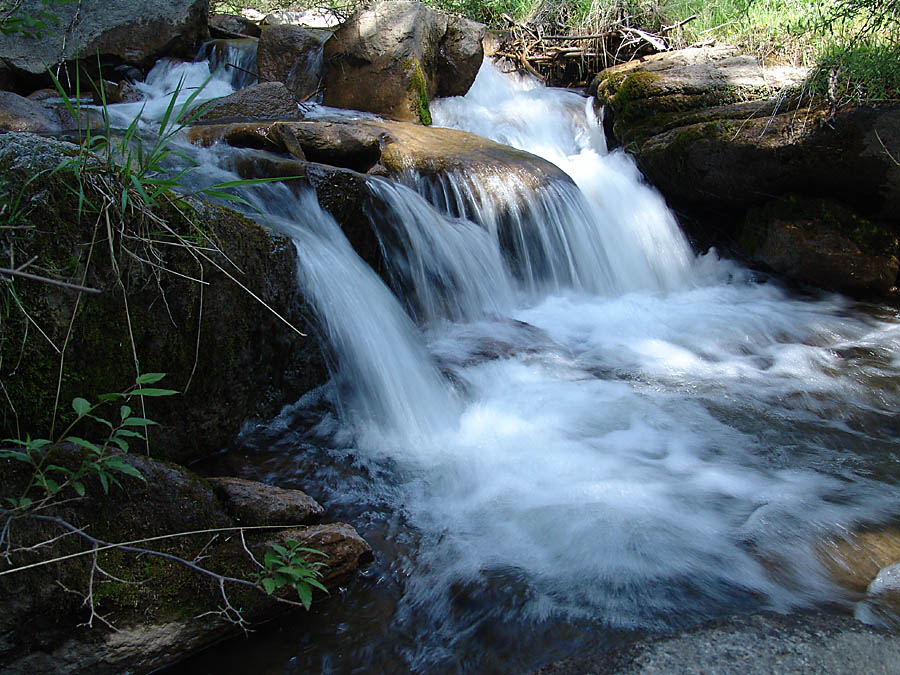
(820, 242)
(249, 362)
(292, 55)
(855, 560)
(393, 58)
(121, 92)
(762, 644)
(318, 17)
(720, 135)
(134, 33)
(171, 610)
(345, 551)
(224, 26)
(21, 114)
(253, 503)
(263, 101)
(43, 94)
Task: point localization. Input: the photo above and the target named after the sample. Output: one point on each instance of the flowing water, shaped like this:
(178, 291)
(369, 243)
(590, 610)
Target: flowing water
(560, 427)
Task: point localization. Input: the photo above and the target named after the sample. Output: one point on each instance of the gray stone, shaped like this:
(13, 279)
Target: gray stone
(292, 55)
(136, 33)
(266, 100)
(763, 644)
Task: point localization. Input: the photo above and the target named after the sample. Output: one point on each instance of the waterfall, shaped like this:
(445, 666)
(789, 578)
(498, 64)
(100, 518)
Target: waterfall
(563, 423)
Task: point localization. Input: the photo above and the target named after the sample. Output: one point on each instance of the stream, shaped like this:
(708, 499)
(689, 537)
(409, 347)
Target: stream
(559, 428)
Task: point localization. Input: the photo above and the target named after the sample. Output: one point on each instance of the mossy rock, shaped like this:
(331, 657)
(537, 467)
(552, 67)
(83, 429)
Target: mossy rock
(228, 354)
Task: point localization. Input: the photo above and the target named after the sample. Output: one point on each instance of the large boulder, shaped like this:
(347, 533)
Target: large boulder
(186, 315)
(225, 26)
(719, 135)
(134, 33)
(824, 243)
(393, 58)
(148, 611)
(266, 101)
(292, 55)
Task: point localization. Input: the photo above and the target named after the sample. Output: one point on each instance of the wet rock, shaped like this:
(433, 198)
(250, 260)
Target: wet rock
(855, 560)
(253, 503)
(21, 114)
(345, 551)
(224, 26)
(263, 101)
(117, 92)
(820, 242)
(718, 134)
(292, 55)
(762, 644)
(135, 33)
(248, 363)
(393, 58)
(168, 610)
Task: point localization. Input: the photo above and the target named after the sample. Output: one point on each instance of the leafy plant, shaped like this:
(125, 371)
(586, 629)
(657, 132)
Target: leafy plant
(28, 25)
(99, 459)
(288, 566)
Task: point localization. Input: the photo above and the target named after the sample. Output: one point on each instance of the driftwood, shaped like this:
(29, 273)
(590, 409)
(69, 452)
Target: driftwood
(550, 57)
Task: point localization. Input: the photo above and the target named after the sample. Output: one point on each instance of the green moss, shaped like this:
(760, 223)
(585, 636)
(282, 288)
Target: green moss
(418, 89)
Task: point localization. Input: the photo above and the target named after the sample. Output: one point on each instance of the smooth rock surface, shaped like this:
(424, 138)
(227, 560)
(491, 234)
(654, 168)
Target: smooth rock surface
(292, 55)
(263, 101)
(762, 644)
(393, 58)
(135, 33)
(253, 503)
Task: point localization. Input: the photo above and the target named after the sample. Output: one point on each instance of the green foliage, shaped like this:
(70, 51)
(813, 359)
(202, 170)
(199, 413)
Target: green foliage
(288, 566)
(100, 460)
(855, 73)
(32, 26)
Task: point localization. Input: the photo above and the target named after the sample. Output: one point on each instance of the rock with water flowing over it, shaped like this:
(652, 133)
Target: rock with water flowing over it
(263, 101)
(393, 58)
(720, 135)
(162, 610)
(292, 55)
(134, 33)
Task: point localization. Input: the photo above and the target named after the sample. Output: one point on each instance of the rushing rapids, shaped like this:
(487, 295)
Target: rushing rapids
(562, 425)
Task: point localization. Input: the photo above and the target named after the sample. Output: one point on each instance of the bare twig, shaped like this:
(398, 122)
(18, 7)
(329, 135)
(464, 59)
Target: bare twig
(44, 280)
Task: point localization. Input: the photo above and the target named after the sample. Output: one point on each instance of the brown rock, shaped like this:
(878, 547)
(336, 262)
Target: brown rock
(253, 503)
(855, 560)
(345, 551)
(393, 58)
(822, 243)
(18, 113)
(292, 55)
(266, 100)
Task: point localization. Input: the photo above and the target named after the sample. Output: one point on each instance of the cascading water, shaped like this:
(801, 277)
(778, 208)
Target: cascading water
(590, 432)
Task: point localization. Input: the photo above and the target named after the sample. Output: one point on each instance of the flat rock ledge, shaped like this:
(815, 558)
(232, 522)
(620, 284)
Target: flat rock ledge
(762, 644)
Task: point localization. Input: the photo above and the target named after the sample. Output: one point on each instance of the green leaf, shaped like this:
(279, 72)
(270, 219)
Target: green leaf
(125, 412)
(138, 422)
(16, 454)
(316, 584)
(60, 469)
(87, 445)
(78, 486)
(120, 465)
(269, 585)
(110, 397)
(101, 420)
(271, 559)
(81, 406)
(128, 433)
(121, 443)
(304, 592)
(104, 481)
(149, 378)
(250, 181)
(146, 391)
